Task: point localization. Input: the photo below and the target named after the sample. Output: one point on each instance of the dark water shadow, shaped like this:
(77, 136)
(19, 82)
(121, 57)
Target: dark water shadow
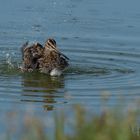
(43, 89)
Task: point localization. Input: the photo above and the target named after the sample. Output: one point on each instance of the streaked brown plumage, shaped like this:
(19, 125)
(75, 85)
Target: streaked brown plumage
(30, 56)
(47, 59)
(52, 58)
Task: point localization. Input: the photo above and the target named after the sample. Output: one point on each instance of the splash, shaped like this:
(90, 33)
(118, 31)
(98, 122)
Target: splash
(9, 60)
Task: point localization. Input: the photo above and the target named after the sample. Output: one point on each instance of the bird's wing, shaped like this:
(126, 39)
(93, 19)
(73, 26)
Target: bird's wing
(50, 60)
(25, 45)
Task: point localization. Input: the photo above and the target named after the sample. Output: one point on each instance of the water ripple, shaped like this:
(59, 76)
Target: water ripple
(90, 72)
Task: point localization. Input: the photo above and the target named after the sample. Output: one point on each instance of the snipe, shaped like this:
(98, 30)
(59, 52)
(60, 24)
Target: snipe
(47, 59)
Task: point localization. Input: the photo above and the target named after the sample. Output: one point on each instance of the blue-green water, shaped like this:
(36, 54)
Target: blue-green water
(101, 38)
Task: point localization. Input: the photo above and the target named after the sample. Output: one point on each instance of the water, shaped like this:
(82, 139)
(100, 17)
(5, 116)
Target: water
(101, 38)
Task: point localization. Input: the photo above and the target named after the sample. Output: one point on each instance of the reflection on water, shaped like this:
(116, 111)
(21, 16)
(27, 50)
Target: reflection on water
(42, 88)
(101, 38)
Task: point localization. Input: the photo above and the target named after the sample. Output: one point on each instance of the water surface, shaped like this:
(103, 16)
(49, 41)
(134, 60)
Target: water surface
(101, 38)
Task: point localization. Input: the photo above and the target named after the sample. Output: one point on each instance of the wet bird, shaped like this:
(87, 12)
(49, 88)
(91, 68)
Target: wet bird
(30, 56)
(47, 59)
(52, 62)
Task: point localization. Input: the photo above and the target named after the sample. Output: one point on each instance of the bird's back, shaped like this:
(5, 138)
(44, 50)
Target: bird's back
(52, 60)
(47, 59)
(31, 54)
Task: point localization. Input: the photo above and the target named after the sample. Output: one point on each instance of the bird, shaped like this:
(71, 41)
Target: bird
(52, 62)
(46, 59)
(30, 55)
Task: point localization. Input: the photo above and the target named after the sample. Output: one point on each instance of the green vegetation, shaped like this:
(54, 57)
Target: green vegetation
(109, 125)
